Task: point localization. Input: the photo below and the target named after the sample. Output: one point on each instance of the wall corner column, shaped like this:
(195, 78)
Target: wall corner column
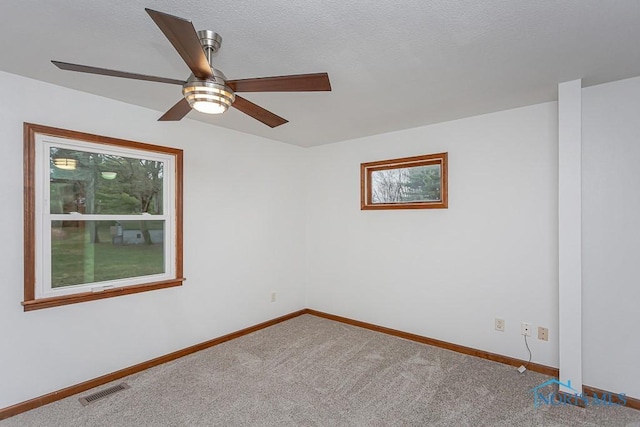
(570, 235)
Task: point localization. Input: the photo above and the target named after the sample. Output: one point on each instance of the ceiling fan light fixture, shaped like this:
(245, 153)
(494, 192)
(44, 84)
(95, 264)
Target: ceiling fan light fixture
(207, 96)
(208, 90)
(210, 107)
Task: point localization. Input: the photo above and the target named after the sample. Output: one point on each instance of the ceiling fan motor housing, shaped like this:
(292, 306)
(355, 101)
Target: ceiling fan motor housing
(210, 96)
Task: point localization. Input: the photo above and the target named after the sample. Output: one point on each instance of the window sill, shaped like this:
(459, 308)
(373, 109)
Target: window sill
(38, 304)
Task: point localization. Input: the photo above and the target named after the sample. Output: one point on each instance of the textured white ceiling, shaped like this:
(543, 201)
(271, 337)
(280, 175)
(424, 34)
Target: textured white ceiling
(392, 64)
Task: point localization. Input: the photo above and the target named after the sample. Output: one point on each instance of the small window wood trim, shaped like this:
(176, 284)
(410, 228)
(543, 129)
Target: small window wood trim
(373, 201)
(31, 246)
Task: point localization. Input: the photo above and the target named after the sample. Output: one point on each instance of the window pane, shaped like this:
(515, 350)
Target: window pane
(414, 184)
(97, 183)
(95, 251)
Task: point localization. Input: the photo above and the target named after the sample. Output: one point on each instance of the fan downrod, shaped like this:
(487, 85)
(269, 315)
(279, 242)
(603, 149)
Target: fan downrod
(211, 42)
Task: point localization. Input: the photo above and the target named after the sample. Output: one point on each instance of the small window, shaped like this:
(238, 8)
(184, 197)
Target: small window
(418, 182)
(103, 217)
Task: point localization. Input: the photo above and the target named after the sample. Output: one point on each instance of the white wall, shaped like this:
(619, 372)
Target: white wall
(611, 236)
(447, 273)
(243, 237)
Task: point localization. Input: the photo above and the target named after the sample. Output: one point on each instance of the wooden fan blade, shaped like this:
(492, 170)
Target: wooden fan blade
(114, 73)
(293, 83)
(184, 39)
(258, 113)
(177, 112)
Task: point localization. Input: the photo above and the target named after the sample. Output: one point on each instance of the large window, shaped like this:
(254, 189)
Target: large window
(103, 217)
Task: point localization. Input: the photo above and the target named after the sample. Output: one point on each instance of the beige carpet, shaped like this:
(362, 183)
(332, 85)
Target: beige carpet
(310, 371)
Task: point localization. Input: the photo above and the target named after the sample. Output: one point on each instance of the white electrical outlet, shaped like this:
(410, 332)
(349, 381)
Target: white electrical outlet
(499, 325)
(543, 333)
(525, 329)
(273, 297)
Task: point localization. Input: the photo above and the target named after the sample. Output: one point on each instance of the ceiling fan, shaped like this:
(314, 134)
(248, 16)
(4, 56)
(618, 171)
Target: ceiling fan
(207, 89)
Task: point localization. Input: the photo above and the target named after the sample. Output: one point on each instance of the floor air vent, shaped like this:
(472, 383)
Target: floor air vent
(102, 394)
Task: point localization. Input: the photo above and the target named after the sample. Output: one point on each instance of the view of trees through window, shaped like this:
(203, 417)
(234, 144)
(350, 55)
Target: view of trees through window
(417, 182)
(411, 184)
(84, 250)
(102, 217)
(105, 184)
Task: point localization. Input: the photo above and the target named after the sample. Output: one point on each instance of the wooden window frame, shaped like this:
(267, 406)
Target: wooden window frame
(30, 234)
(366, 191)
